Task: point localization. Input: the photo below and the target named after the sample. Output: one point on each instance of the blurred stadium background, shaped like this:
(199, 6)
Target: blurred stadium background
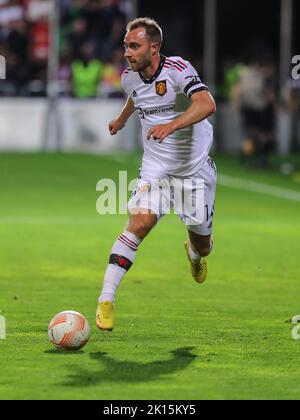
(64, 59)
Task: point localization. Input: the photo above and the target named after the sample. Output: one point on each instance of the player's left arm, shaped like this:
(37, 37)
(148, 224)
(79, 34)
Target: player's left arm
(202, 107)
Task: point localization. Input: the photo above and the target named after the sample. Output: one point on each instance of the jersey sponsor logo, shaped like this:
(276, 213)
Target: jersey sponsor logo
(153, 111)
(141, 113)
(134, 94)
(161, 87)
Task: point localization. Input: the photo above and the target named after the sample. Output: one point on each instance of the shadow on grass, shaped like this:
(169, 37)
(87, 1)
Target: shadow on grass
(128, 371)
(63, 352)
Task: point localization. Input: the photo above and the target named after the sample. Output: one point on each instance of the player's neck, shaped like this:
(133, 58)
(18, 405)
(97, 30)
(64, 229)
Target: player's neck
(152, 68)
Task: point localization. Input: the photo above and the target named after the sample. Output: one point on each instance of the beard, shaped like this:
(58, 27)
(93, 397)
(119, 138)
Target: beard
(140, 67)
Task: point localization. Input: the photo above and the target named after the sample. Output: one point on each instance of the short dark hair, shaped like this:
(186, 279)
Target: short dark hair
(153, 30)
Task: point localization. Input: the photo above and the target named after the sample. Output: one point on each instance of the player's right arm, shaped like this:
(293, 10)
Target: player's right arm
(119, 123)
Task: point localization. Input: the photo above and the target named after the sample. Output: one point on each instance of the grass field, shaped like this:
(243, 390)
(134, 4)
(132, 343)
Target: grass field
(174, 339)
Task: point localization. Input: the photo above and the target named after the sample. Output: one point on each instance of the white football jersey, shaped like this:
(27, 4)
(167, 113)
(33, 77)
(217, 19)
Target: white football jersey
(160, 100)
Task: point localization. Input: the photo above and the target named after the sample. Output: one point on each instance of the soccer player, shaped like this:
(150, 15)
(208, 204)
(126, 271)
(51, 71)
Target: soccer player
(177, 139)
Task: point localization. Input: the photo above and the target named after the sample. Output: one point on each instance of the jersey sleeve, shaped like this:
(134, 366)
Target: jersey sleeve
(125, 82)
(187, 79)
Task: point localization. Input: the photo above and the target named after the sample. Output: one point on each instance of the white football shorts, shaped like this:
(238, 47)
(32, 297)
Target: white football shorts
(193, 198)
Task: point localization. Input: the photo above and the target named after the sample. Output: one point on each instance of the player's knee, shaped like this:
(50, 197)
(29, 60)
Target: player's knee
(141, 230)
(141, 225)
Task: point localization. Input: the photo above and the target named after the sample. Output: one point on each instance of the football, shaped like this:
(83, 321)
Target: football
(69, 330)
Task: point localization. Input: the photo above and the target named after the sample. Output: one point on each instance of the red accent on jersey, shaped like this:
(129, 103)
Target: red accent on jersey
(178, 63)
(177, 68)
(183, 64)
(174, 65)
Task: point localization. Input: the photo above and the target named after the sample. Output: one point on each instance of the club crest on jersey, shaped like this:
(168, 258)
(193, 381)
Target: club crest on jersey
(144, 188)
(161, 87)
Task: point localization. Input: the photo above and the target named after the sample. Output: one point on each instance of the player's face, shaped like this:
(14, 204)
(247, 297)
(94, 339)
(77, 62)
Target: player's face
(138, 49)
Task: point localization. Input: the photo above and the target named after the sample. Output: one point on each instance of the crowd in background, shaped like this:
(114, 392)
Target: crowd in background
(91, 47)
(91, 62)
(253, 90)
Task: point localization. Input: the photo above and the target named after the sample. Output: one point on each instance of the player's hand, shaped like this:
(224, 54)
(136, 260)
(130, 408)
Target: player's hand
(115, 126)
(160, 132)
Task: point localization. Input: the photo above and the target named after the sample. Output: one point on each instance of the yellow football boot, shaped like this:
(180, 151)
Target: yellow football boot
(105, 319)
(199, 268)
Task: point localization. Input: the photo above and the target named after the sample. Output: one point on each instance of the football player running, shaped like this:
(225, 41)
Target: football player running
(174, 105)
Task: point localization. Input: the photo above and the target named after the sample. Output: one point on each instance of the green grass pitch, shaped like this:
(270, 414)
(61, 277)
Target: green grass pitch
(174, 339)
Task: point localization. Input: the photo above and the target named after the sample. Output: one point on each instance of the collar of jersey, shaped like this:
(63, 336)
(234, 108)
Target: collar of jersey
(156, 74)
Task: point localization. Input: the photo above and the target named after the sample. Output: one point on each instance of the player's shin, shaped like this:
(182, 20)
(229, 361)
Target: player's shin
(121, 259)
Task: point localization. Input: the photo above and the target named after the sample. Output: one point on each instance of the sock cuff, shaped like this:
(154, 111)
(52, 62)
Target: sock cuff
(130, 240)
(194, 254)
(132, 237)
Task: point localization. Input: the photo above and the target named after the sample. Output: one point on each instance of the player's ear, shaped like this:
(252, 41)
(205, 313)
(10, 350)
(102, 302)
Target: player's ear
(154, 48)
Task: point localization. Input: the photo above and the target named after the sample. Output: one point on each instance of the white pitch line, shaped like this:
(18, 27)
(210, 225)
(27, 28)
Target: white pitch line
(258, 187)
(223, 180)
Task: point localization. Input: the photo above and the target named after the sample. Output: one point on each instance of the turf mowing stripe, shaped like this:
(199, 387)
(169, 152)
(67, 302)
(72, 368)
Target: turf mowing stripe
(223, 180)
(258, 187)
(48, 221)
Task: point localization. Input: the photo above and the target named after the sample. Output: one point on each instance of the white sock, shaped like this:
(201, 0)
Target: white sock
(194, 256)
(122, 256)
